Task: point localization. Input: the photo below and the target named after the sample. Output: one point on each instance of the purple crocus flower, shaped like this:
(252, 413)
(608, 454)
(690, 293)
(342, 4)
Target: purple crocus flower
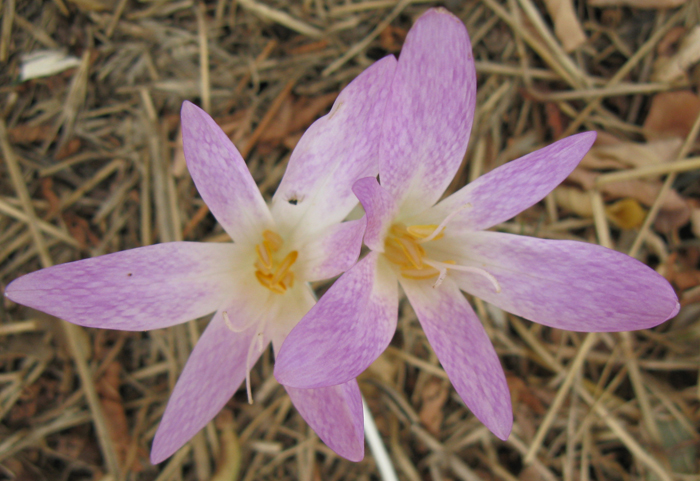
(436, 250)
(258, 285)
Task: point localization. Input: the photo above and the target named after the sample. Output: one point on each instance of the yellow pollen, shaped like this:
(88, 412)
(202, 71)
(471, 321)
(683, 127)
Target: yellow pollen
(423, 231)
(276, 276)
(412, 251)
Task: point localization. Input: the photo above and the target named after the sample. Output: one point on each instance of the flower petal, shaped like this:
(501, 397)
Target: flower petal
(213, 373)
(430, 112)
(289, 309)
(380, 211)
(335, 414)
(331, 253)
(335, 151)
(135, 290)
(564, 284)
(345, 331)
(464, 350)
(222, 177)
(508, 190)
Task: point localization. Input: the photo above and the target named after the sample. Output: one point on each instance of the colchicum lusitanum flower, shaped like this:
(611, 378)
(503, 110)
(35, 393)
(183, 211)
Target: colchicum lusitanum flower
(437, 249)
(258, 285)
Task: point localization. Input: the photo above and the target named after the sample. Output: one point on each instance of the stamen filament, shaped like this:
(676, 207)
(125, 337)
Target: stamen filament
(441, 227)
(424, 231)
(412, 251)
(234, 329)
(476, 270)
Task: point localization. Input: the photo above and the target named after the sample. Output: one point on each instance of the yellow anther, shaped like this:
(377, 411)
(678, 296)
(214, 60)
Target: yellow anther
(275, 276)
(419, 274)
(412, 251)
(394, 252)
(283, 267)
(264, 255)
(398, 229)
(274, 240)
(426, 230)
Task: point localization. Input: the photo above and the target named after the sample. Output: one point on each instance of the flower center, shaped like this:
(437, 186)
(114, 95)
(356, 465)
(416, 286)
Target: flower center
(403, 248)
(271, 272)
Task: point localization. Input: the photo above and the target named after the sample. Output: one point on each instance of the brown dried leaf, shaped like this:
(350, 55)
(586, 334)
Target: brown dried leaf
(672, 114)
(574, 200)
(636, 154)
(391, 38)
(434, 397)
(567, 27)
(675, 68)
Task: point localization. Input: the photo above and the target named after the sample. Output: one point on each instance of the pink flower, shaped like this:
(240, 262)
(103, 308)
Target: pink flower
(258, 285)
(436, 250)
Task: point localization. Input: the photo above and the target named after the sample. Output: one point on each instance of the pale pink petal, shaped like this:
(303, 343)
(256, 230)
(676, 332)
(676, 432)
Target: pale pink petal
(222, 177)
(213, 373)
(335, 151)
(508, 190)
(430, 112)
(564, 284)
(134, 290)
(345, 331)
(335, 414)
(331, 252)
(380, 210)
(464, 350)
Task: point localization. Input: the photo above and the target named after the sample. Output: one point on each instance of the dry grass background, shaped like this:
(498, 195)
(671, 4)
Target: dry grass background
(92, 163)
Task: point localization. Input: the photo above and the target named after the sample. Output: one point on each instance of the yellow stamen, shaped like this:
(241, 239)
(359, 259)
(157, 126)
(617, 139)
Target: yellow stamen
(289, 280)
(419, 274)
(264, 279)
(394, 252)
(398, 229)
(274, 240)
(284, 267)
(262, 268)
(412, 251)
(425, 230)
(264, 255)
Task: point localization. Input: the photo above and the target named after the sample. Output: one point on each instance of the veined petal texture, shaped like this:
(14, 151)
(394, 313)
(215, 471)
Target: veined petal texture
(335, 414)
(430, 112)
(213, 373)
(564, 284)
(464, 350)
(510, 189)
(145, 288)
(222, 177)
(345, 331)
(380, 210)
(330, 253)
(335, 151)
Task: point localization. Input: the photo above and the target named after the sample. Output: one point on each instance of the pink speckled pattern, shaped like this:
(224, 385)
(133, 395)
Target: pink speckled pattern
(464, 350)
(330, 253)
(430, 111)
(564, 284)
(213, 373)
(380, 210)
(345, 331)
(335, 151)
(508, 190)
(335, 414)
(135, 290)
(222, 177)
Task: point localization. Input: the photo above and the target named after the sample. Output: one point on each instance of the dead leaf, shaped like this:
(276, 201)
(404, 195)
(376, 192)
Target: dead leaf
(636, 154)
(626, 213)
(672, 114)
(695, 218)
(574, 200)
(554, 119)
(567, 27)
(644, 4)
(676, 67)
(434, 397)
(228, 465)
